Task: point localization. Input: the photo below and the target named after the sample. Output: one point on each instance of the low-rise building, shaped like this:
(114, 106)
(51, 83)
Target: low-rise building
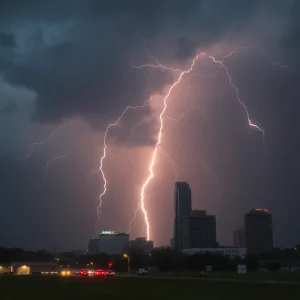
(226, 251)
(4, 268)
(27, 268)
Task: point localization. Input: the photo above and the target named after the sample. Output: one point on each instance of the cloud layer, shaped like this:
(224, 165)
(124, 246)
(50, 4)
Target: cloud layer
(77, 58)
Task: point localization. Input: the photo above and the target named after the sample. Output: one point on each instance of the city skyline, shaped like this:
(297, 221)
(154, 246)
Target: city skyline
(195, 91)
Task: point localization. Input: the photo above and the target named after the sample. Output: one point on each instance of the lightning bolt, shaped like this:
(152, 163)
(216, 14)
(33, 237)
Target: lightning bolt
(236, 51)
(170, 160)
(51, 162)
(104, 155)
(161, 117)
(134, 128)
(209, 174)
(246, 48)
(221, 63)
(158, 66)
(272, 62)
(183, 114)
(35, 144)
(133, 219)
(46, 141)
(149, 54)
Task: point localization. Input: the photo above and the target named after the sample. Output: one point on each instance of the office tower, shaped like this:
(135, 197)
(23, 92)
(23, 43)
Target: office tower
(239, 238)
(182, 207)
(258, 231)
(141, 244)
(110, 242)
(199, 230)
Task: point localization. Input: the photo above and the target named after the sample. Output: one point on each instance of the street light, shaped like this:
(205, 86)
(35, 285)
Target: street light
(128, 261)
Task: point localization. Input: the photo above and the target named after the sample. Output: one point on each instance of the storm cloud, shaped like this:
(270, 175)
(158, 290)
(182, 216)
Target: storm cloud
(76, 61)
(77, 58)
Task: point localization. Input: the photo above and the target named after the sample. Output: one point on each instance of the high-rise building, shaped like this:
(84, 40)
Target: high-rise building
(199, 230)
(239, 238)
(142, 244)
(182, 207)
(110, 242)
(258, 231)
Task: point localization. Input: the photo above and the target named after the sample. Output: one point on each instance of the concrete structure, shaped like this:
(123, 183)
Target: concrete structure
(142, 244)
(27, 268)
(239, 238)
(258, 231)
(110, 242)
(182, 208)
(228, 251)
(199, 230)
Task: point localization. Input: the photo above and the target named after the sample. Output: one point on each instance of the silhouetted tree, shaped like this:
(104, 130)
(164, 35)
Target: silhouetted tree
(251, 263)
(273, 266)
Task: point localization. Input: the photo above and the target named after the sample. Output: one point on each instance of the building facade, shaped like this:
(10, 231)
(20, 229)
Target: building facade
(28, 268)
(199, 230)
(141, 244)
(258, 231)
(182, 208)
(5, 268)
(239, 238)
(232, 253)
(110, 242)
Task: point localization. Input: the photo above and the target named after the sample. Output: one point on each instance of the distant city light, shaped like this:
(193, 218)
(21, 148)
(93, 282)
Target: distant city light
(261, 209)
(109, 232)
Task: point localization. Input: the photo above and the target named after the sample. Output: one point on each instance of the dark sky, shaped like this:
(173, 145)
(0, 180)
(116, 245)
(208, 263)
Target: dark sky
(67, 66)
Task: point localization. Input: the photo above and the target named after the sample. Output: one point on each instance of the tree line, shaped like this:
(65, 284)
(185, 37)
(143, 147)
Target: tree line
(163, 259)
